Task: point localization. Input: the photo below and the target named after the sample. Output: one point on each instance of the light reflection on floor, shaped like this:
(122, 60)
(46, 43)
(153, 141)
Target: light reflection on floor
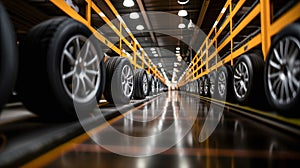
(177, 129)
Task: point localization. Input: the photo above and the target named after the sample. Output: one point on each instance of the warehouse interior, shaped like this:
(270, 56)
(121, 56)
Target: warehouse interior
(149, 83)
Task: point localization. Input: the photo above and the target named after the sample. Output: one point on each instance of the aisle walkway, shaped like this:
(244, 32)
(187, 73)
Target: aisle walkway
(177, 129)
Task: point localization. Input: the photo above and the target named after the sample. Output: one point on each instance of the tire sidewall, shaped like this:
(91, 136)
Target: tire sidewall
(63, 33)
(294, 31)
(8, 57)
(119, 98)
(246, 59)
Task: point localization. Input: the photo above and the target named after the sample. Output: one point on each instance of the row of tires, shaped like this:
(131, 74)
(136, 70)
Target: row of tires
(59, 66)
(273, 84)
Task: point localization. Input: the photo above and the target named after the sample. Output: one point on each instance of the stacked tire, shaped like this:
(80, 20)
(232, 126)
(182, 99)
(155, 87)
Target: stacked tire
(8, 57)
(141, 84)
(120, 80)
(61, 69)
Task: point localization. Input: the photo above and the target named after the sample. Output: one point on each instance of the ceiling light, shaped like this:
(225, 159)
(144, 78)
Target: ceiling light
(182, 13)
(182, 2)
(181, 26)
(139, 27)
(153, 52)
(128, 3)
(134, 15)
(155, 55)
(152, 49)
(177, 48)
(177, 52)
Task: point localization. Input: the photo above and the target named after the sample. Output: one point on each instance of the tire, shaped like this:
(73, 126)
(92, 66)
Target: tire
(72, 71)
(141, 84)
(150, 78)
(206, 88)
(8, 57)
(213, 87)
(120, 81)
(187, 87)
(224, 82)
(282, 71)
(248, 79)
(158, 86)
(201, 86)
(153, 83)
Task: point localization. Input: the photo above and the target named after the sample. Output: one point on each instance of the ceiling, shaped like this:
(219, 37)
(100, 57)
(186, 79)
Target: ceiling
(158, 17)
(160, 21)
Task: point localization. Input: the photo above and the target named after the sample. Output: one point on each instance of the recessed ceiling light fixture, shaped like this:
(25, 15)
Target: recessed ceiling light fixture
(155, 55)
(182, 2)
(139, 27)
(181, 26)
(134, 15)
(182, 13)
(128, 3)
(177, 48)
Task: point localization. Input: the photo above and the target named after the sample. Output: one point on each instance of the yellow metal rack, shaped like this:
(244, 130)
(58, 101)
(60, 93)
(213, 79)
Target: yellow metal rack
(133, 45)
(263, 10)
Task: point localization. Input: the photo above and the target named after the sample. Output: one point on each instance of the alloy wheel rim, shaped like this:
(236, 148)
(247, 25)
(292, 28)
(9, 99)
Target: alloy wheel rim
(80, 69)
(283, 71)
(241, 80)
(222, 83)
(127, 81)
(145, 84)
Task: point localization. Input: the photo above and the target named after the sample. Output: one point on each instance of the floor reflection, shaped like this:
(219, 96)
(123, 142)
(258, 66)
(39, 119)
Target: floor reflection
(177, 129)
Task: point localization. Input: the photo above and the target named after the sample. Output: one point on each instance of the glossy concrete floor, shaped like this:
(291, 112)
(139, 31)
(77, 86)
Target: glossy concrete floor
(177, 129)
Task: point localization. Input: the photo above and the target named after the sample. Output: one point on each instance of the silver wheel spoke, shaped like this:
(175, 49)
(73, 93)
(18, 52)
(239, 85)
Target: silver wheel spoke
(83, 89)
(77, 46)
(286, 88)
(237, 77)
(69, 74)
(92, 61)
(69, 57)
(88, 82)
(276, 54)
(286, 48)
(92, 72)
(76, 84)
(274, 65)
(274, 75)
(86, 50)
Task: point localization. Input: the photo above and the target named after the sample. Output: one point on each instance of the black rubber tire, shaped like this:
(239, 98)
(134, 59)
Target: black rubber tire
(206, 87)
(42, 53)
(141, 90)
(153, 84)
(114, 92)
(110, 69)
(201, 86)
(213, 87)
(225, 75)
(289, 108)
(149, 76)
(254, 95)
(8, 57)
